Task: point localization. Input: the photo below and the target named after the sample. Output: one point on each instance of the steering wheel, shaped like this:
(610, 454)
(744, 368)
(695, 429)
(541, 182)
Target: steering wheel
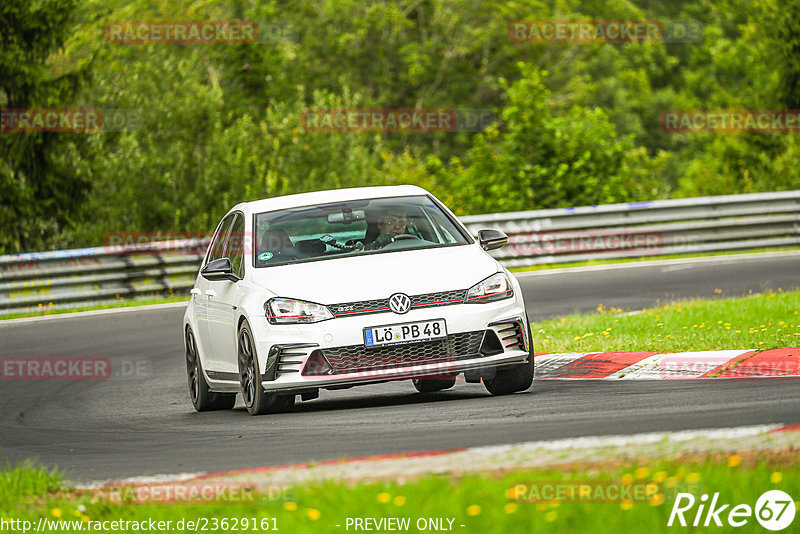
(330, 240)
(400, 237)
(393, 244)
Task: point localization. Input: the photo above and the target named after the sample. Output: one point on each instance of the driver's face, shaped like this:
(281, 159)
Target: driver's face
(393, 224)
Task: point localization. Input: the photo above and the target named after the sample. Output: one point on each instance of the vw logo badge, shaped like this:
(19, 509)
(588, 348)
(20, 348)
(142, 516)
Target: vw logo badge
(399, 303)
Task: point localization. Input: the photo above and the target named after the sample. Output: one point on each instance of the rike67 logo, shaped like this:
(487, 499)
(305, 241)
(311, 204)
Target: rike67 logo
(774, 510)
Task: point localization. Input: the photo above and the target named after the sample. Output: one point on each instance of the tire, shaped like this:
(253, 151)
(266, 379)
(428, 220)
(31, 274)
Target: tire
(429, 385)
(517, 378)
(256, 400)
(203, 399)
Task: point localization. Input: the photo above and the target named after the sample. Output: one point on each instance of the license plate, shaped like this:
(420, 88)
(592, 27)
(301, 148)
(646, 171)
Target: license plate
(394, 334)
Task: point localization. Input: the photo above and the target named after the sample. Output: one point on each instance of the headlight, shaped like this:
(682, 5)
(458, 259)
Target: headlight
(496, 287)
(291, 311)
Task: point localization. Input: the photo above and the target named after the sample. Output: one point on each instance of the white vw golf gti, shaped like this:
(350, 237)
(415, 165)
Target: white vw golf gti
(341, 288)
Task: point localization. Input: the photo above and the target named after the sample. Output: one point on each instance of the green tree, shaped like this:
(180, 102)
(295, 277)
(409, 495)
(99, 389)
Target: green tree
(780, 20)
(538, 159)
(221, 123)
(41, 188)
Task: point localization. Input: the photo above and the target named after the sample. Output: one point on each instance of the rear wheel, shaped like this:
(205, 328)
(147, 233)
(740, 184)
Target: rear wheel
(429, 385)
(517, 378)
(203, 399)
(256, 400)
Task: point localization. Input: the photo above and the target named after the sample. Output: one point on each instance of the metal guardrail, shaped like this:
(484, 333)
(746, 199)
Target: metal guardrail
(660, 227)
(707, 224)
(66, 278)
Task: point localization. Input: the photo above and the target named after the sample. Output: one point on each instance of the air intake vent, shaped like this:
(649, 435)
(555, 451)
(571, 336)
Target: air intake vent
(512, 334)
(286, 359)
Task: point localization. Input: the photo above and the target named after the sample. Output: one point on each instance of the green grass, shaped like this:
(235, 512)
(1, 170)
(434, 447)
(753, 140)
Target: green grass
(21, 480)
(480, 502)
(587, 263)
(122, 303)
(759, 321)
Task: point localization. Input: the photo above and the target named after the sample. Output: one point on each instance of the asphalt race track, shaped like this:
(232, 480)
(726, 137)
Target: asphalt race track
(144, 423)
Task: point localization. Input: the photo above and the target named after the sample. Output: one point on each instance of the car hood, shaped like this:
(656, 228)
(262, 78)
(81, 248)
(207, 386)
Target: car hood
(378, 276)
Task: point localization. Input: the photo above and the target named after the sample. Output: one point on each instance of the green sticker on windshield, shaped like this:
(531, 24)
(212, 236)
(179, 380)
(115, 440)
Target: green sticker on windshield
(265, 256)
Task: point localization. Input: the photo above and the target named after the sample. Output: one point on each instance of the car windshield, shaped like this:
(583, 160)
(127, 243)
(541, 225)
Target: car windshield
(353, 228)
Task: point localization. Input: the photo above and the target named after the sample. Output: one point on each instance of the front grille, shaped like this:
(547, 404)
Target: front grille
(426, 300)
(359, 308)
(358, 358)
(442, 298)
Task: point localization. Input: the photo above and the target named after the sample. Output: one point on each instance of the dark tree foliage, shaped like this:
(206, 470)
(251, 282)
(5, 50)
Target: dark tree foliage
(577, 123)
(40, 191)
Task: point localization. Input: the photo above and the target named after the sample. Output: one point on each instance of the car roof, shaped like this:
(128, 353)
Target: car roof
(333, 195)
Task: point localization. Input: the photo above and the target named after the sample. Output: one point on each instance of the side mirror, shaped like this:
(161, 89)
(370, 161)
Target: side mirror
(492, 239)
(220, 269)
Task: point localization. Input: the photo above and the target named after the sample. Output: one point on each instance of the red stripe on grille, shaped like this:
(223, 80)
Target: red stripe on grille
(360, 311)
(437, 302)
(413, 306)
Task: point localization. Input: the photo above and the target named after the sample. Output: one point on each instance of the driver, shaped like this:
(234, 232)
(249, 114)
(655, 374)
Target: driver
(392, 223)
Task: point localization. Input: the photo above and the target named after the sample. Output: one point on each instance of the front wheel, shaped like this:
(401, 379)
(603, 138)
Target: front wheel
(517, 378)
(256, 400)
(203, 399)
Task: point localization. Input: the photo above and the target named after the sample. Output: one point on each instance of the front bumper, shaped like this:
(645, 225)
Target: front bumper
(284, 351)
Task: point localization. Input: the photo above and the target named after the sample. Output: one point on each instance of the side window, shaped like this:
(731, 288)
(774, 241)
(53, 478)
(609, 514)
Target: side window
(235, 246)
(215, 251)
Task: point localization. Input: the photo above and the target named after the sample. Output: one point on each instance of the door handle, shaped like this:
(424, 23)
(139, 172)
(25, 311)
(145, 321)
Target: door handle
(211, 293)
